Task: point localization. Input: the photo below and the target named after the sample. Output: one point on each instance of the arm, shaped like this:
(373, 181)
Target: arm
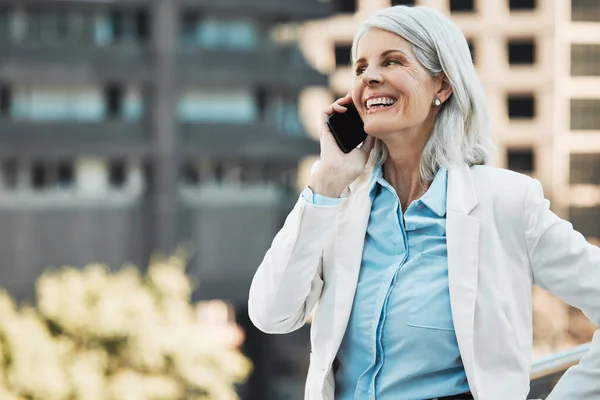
(565, 264)
(288, 282)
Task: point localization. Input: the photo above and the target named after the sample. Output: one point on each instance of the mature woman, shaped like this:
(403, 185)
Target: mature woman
(420, 260)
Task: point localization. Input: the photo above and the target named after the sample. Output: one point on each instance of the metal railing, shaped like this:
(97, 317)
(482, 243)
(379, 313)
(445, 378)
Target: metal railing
(546, 371)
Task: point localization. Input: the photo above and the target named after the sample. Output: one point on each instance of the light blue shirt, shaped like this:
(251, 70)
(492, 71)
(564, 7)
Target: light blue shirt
(400, 341)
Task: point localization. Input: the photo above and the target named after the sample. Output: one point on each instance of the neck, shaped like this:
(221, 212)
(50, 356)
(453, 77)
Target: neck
(401, 168)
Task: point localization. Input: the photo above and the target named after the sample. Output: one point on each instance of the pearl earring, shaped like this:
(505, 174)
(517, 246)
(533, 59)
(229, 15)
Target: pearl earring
(437, 102)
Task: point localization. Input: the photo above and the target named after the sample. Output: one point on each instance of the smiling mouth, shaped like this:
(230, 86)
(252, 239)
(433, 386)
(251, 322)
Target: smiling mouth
(380, 103)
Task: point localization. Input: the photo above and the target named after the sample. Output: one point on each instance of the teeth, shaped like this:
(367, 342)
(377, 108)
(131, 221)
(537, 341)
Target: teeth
(385, 101)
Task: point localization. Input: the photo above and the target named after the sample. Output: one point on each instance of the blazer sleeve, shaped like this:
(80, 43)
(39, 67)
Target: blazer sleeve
(565, 264)
(288, 282)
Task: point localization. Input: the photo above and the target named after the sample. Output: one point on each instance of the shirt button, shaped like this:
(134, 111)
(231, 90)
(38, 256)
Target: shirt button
(412, 227)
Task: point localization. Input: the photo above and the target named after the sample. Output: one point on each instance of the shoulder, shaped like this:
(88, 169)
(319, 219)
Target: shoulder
(500, 187)
(500, 176)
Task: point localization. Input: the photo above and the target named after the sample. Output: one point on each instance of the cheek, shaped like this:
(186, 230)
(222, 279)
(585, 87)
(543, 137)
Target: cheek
(417, 97)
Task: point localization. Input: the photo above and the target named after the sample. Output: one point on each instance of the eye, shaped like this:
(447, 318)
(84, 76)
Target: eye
(359, 70)
(392, 61)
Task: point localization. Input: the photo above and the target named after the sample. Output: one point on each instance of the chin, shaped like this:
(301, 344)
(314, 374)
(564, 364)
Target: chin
(380, 131)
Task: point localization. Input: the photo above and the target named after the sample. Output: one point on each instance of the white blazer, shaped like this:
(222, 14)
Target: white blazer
(502, 238)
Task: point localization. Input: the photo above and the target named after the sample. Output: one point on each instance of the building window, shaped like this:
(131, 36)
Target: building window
(585, 114)
(52, 175)
(462, 6)
(521, 51)
(212, 172)
(190, 174)
(57, 103)
(471, 45)
(219, 33)
(142, 20)
(343, 55)
(123, 102)
(241, 173)
(38, 175)
(519, 5)
(218, 105)
(281, 175)
(114, 100)
(585, 59)
(6, 18)
(521, 106)
(133, 103)
(54, 25)
(261, 101)
(283, 110)
(521, 160)
(117, 173)
(586, 220)
(347, 6)
(10, 174)
(5, 99)
(129, 25)
(584, 169)
(65, 175)
(189, 26)
(585, 10)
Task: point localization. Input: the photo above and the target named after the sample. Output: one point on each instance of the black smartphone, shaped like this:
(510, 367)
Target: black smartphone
(347, 128)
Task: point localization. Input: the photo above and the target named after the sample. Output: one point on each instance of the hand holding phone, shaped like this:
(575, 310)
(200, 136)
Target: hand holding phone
(339, 164)
(347, 128)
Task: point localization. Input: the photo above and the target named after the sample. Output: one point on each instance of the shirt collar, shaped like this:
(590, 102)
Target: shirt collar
(434, 198)
(376, 178)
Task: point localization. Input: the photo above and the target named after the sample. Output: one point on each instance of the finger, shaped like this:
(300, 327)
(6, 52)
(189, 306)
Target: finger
(344, 100)
(330, 110)
(339, 108)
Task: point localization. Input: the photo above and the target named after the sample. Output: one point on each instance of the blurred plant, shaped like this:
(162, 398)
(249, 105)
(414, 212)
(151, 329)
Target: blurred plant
(102, 335)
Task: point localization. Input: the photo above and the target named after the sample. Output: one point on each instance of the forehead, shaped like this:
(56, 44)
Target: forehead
(375, 41)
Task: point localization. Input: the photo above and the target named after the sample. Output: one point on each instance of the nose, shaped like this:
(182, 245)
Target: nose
(371, 76)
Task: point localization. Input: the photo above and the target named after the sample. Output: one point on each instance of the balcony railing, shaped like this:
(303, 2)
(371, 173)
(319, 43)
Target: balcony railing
(248, 140)
(110, 137)
(307, 9)
(280, 66)
(546, 371)
(74, 62)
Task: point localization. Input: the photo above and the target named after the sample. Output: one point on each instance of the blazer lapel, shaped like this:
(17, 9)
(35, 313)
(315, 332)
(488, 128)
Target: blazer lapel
(462, 237)
(349, 242)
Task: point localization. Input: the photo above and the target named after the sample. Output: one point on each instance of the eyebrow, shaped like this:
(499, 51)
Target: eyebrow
(384, 54)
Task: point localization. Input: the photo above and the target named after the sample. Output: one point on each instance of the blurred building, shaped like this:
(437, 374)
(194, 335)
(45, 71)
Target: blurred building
(133, 125)
(129, 126)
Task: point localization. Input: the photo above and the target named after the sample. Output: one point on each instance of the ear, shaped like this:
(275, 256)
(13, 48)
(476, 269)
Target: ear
(444, 88)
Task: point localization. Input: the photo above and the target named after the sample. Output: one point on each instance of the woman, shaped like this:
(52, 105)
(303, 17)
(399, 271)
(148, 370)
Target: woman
(419, 259)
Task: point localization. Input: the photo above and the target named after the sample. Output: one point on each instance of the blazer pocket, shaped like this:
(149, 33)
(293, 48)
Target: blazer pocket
(429, 304)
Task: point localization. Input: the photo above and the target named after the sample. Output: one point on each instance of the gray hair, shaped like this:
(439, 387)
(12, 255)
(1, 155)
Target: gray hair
(461, 129)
